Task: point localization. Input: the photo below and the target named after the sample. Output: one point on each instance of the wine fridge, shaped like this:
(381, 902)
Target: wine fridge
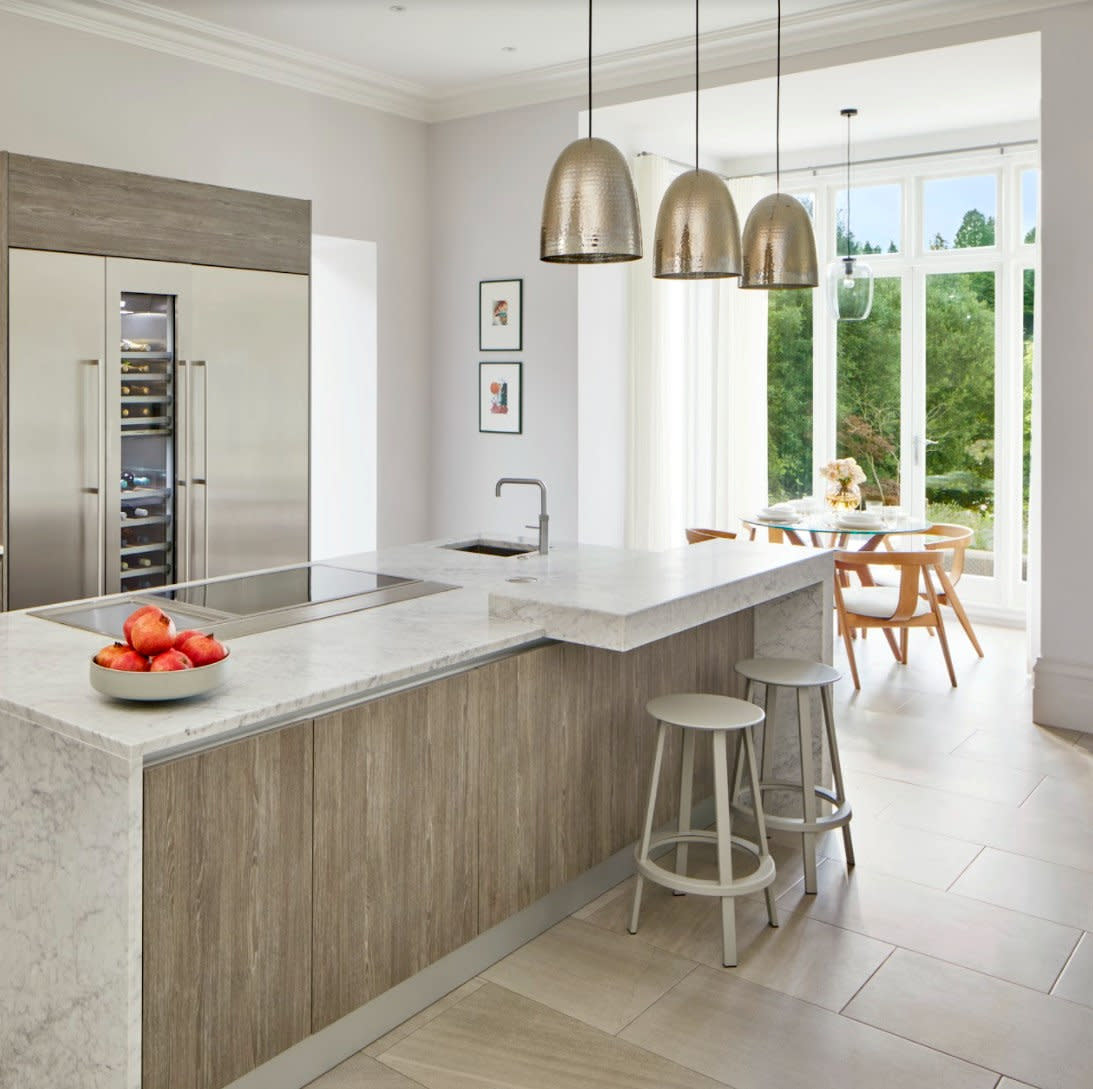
(158, 428)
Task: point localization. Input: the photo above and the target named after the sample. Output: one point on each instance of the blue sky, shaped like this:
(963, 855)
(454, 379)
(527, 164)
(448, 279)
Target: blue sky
(875, 213)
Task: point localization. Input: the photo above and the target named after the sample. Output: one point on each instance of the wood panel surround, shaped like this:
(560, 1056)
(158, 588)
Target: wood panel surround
(436, 813)
(73, 208)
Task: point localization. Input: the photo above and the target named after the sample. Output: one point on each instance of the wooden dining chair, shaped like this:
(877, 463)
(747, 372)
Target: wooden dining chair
(696, 536)
(912, 603)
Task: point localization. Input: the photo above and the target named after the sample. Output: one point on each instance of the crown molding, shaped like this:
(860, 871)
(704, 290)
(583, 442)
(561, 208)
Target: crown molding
(180, 35)
(850, 22)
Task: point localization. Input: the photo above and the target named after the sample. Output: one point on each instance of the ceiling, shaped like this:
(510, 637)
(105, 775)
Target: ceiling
(437, 59)
(898, 98)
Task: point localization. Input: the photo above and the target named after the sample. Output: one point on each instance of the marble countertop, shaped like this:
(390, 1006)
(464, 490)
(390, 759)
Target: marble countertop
(585, 594)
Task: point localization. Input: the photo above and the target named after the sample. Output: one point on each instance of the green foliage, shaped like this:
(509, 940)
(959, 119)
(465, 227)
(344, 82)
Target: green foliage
(789, 394)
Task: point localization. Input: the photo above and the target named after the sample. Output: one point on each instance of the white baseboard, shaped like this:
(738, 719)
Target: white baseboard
(1062, 695)
(310, 1058)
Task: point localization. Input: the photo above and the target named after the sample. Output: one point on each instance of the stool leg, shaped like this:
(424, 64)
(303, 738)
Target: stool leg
(836, 768)
(737, 762)
(647, 832)
(770, 709)
(808, 789)
(686, 788)
(724, 847)
(760, 819)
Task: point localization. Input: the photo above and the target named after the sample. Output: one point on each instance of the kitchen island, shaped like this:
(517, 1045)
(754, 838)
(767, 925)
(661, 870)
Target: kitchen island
(246, 888)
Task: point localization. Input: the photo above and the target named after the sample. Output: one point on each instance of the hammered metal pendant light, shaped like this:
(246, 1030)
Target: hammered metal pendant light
(850, 280)
(590, 209)
(779, 249)
(698, 233)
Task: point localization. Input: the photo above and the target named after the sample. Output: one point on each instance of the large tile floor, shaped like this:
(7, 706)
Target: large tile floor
(956, 955)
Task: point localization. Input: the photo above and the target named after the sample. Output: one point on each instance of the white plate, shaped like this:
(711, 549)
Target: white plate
(859, 523)
(177, 684)
(788, 519)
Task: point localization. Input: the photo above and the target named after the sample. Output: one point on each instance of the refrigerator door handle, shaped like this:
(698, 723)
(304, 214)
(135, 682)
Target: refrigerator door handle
(182, 473)
(96, 491)
(203, 480)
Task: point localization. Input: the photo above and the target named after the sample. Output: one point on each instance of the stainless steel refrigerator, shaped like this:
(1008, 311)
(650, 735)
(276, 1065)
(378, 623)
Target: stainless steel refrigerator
(158, 424)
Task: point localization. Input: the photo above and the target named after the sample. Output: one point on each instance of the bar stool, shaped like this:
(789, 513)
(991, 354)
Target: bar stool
(718, 716)
(795, 673)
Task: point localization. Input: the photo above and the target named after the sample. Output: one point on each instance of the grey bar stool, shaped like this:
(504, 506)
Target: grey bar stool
(718, 716)
(802, 676)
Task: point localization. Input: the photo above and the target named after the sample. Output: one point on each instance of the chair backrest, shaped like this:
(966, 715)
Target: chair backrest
(911, 566)
(695, 536)
(953, 539)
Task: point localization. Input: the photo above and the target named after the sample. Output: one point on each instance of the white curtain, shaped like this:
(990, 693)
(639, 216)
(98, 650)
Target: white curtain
(697, 396)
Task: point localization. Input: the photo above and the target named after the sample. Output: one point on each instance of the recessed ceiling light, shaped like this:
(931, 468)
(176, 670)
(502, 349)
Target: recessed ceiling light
(397, 7)
(508, 49)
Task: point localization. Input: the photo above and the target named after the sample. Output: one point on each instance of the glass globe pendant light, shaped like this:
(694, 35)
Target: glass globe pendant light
(779, 248)
(590, 209)
(850, 280)
(698, 233)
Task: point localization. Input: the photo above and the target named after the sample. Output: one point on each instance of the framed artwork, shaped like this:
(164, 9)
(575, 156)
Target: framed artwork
(500, 316)
(500, 398)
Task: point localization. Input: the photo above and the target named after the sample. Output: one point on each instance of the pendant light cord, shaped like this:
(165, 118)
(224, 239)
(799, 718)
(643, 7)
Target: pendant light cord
(590, 69)
(778, 108)
(848, 117)
(696, 84)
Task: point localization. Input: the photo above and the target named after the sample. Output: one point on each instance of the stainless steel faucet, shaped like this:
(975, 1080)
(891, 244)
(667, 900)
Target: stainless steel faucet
(544, 519)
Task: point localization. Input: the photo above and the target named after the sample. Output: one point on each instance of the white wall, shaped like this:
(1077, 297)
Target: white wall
(343, 396)
(486, 181)
(84, 98)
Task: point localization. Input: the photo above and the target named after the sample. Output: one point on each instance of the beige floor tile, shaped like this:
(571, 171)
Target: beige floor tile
(378, 1047)
(750, 1037)
(1085, 741)
(604, 898)
(1076, 982)
(982, 936)
(1009, 1083)
(1044, 889)
(362, 1072)
(937, 771)
(1032, 749)
(873, 730)
(872, 794)
(924, 857)
(1021, 830)
(1060, 798)
(1024, 1034)
(602, 978)
(496, 1039)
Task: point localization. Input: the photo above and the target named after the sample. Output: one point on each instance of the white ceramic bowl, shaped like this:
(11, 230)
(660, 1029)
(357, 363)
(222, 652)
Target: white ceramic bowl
(178, 684)
(859, 523)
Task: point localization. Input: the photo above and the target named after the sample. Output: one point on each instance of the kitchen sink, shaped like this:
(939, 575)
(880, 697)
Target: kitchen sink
(492, 548)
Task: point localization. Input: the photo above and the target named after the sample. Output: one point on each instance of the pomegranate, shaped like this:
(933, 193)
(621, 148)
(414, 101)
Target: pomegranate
(152, 634)
(203, 650)
(132, 618)
(184, 635)
(130, 661)
(169, 661)
(108, 655)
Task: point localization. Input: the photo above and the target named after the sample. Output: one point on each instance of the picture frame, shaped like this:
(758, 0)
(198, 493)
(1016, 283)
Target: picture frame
(501, 315)
(501, 398)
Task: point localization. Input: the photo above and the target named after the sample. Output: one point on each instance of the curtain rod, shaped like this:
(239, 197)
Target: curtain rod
(1000, 148)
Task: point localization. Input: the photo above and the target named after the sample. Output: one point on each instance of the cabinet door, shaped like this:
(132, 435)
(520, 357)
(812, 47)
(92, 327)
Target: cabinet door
(227, 909)
(395, 839)
(56, 488)
(248, 420)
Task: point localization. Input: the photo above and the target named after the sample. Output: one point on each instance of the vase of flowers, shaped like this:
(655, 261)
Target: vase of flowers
(843, 476)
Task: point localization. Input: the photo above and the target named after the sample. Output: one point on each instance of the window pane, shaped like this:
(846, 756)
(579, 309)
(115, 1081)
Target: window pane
(959, 213)
(869, 392)
(1030, 204)
(875, 219)
(960, 408)
(1026, 448)
(789, 394)
(809, 201)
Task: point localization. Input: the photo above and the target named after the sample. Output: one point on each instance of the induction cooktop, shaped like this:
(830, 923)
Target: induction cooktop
(246, 604)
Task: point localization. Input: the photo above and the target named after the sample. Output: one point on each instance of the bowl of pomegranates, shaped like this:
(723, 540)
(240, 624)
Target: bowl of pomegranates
(158, 662)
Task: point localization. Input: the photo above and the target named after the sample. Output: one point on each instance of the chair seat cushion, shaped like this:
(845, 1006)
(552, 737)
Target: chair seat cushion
(884, 578)
(878, 601)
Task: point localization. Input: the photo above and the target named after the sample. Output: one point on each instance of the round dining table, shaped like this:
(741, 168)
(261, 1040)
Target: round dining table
(823, 524)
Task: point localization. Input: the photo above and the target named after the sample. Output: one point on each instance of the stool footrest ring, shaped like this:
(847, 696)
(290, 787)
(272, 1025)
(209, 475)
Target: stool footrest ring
(762, 876)
(837, 819)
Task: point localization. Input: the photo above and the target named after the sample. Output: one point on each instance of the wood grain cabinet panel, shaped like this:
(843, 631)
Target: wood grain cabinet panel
(54, 205)
(395, 838)
(227, 909)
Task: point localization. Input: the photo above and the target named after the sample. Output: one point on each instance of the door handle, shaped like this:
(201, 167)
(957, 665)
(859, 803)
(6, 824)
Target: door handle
(96, 491)
(203, 480)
